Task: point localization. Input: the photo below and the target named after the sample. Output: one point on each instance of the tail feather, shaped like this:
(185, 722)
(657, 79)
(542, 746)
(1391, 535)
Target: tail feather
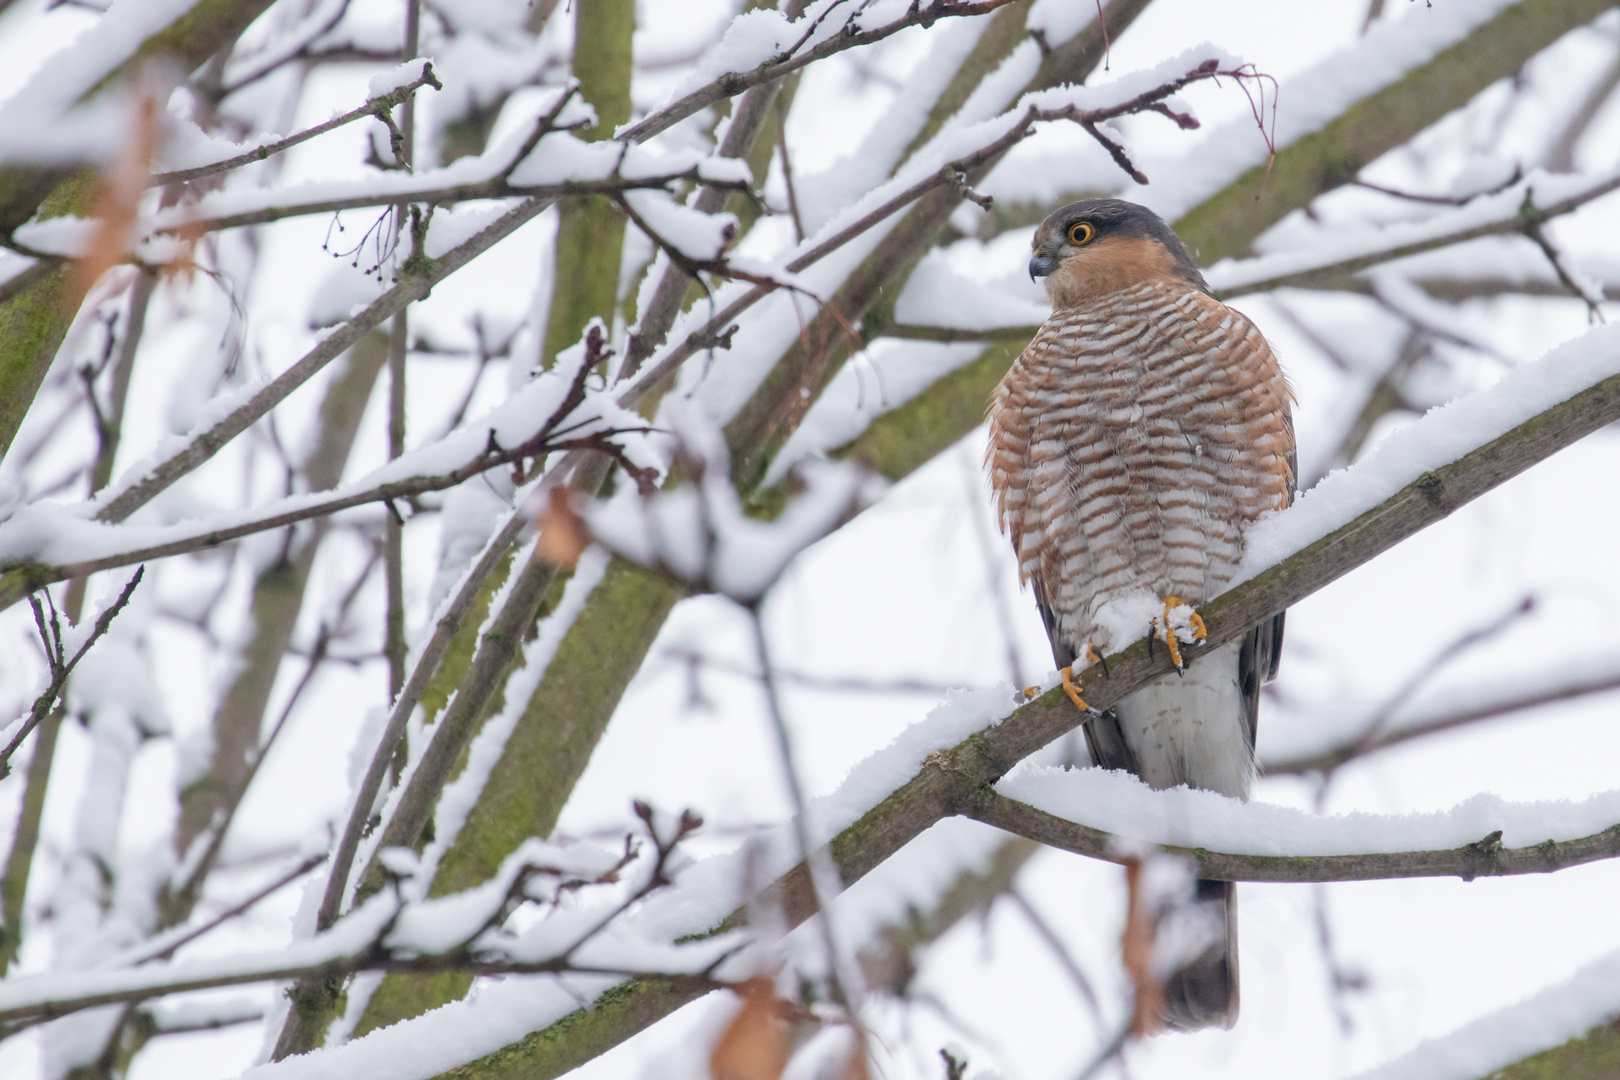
(1204, 992)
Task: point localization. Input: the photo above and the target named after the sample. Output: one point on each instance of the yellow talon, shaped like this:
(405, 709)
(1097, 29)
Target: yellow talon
(1195, 620)
(1071, 685)
(1029, 691)
(1072, 688)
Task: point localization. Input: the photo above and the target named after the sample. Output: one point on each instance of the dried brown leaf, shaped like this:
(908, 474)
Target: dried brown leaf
(1137, 952)
(563, 534)
(755, 1045)
(856, 1067)
(118, 198)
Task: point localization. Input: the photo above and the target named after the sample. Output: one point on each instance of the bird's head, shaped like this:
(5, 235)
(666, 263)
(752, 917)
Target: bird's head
(1098, 246)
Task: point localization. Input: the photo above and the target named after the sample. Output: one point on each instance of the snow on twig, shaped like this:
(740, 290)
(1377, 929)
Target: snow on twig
(377, 106)
(465, 930)
(1548, 1018)
(557, 411)
(762, 44)
(1521, 208)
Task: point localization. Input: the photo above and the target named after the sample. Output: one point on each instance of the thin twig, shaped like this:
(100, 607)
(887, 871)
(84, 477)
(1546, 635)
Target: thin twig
(820, 878)
(1342, 753)
(377, 106)
(166, 945)
(733, 83)
(62, 667)
(787, 171)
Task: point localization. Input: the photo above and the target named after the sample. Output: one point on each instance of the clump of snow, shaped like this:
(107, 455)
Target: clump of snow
(699, 236)
(751, 39)
(869, 164)
(346, 290)
(66, 235)
(394, 78)
(452, 228)
(41, 122)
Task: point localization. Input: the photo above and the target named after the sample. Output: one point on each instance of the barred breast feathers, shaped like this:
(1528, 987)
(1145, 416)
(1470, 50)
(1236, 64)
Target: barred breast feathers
(1132, 442)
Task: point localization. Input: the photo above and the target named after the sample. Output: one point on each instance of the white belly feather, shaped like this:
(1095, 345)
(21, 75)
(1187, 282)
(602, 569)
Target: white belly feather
(1191, 729)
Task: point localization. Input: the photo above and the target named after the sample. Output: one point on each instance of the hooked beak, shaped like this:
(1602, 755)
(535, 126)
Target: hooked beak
(1040, 266)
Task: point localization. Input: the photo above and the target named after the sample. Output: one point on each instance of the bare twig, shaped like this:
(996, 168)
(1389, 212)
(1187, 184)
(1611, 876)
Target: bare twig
(1335, 756)
(61, 665)
(376, 107)
(166, 945)
(787, 171)
(1532, 221)
(1060, 953)
(1442, 200)
(823, 877)
(1378, 721)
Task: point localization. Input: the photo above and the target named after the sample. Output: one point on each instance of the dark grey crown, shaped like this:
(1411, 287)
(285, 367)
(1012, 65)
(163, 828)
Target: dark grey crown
(1128, 220)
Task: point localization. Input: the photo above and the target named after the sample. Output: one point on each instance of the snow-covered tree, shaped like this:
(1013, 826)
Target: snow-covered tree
(496, 576)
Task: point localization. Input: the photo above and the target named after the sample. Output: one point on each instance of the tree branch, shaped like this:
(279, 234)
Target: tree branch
(377, 106)
(733, 83)
(1484, 858)
(1331, 758)
(1521, 216)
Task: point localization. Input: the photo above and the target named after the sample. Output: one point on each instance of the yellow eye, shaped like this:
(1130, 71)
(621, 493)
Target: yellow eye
(1081, 232)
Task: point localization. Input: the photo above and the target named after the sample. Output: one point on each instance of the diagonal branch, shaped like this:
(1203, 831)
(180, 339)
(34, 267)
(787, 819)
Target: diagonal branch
(377, 106)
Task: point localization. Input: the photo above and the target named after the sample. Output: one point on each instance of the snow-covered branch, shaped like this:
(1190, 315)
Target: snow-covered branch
(1522, 208)
(775, 46)
(553, 413)
(1102, 814)
(468, 931)
(377, 106)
